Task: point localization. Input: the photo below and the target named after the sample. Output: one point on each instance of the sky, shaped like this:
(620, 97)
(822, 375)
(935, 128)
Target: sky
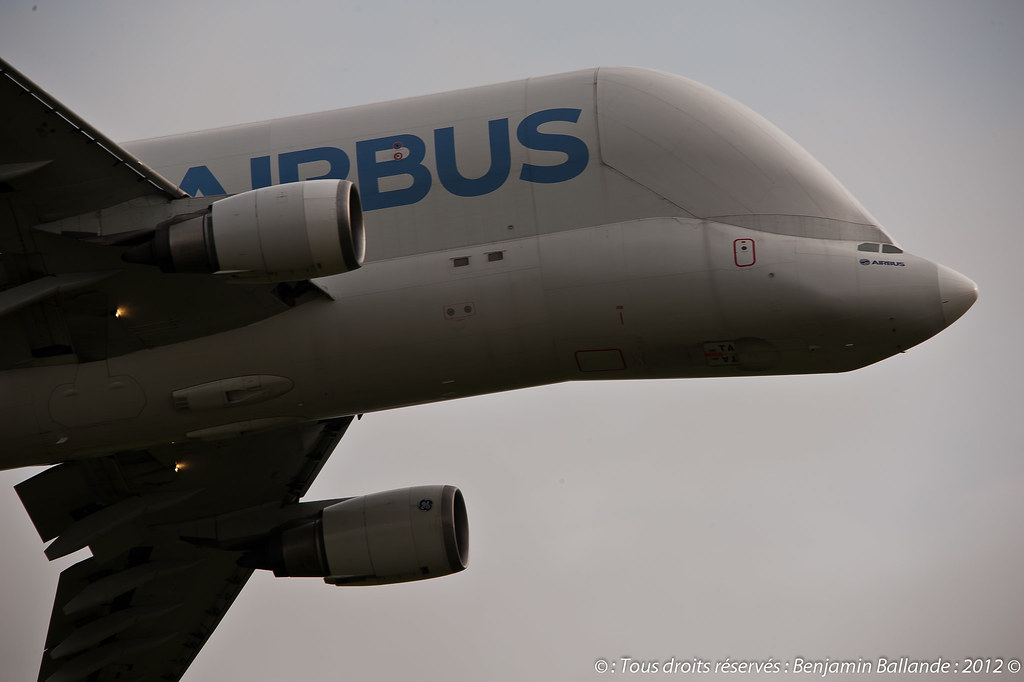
(872, 514)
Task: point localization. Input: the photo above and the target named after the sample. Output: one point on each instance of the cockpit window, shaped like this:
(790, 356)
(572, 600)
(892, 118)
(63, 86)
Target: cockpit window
(871, 247)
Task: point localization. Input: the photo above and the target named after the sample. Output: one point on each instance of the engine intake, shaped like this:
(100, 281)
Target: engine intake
(287, 232)
(389, 537)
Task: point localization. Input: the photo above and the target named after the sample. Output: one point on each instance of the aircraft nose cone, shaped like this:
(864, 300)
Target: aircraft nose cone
(957, 293)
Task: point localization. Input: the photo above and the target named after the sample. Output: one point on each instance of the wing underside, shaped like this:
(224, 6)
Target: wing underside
(65, 293)
(60, 165)
(150, 596)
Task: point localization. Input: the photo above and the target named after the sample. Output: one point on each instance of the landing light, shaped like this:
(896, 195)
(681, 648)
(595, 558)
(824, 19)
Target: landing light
(121, 312)
(178, 466)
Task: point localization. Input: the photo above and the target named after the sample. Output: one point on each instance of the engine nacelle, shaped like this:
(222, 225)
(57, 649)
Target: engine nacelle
(294, 231)
(389, 537)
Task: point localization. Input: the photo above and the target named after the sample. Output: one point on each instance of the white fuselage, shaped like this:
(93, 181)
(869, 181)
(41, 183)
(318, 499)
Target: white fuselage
(595, 225)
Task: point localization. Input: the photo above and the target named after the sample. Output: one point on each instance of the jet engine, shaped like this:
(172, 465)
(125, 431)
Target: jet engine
(281, 233)
(389, 537)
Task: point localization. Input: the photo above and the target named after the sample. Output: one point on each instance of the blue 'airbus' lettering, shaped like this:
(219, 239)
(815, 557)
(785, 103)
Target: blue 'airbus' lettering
(404, 155)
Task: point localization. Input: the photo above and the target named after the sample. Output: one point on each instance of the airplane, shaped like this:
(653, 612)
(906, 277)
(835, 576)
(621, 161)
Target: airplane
(191, 323)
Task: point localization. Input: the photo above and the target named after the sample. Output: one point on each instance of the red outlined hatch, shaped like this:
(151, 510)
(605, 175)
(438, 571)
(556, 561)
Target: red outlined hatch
(743, 253)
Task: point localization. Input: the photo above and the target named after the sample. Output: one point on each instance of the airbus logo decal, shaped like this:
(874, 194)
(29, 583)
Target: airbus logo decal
(896, 263)
(404, 155)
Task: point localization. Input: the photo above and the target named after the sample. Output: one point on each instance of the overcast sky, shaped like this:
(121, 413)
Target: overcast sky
(876, 513)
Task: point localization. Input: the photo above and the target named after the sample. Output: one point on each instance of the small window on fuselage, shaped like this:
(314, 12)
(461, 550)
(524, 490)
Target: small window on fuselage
(889, 248)
(868, 246)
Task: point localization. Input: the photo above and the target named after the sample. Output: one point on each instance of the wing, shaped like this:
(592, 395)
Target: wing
(148, 599)
(65, 292)
(59, 164)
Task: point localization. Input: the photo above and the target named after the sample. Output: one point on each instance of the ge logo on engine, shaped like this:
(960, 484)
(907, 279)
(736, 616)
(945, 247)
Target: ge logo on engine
(426, 505)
